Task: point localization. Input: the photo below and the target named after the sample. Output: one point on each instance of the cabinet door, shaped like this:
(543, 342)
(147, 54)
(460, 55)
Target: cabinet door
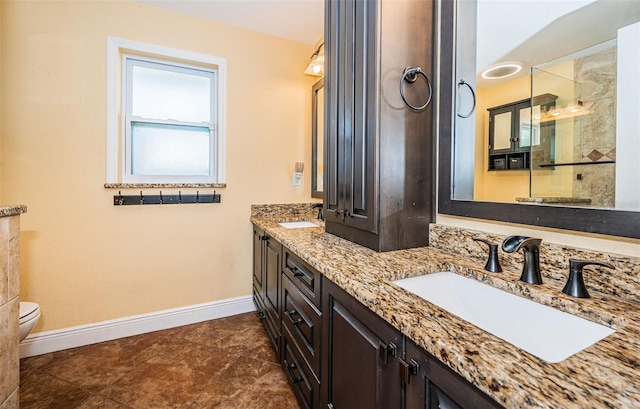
(500, 130)
(334, 165)
(360, 365)
(361, 117)
(429, 384)
(272, 255)
(258, 278)
(351, 96)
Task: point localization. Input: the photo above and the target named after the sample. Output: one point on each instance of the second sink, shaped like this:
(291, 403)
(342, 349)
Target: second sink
(545, 332)
(298, 225)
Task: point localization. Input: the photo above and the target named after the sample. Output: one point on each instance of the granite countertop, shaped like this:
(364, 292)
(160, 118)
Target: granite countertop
(6, 211)
(606, 374)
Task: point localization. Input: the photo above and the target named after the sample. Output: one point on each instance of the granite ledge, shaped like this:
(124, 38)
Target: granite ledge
(6, 211)
(603, 375)
(164, 185)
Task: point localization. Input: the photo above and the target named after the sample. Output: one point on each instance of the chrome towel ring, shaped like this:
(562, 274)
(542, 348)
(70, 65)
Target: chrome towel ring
(410, 75)
(473, 108)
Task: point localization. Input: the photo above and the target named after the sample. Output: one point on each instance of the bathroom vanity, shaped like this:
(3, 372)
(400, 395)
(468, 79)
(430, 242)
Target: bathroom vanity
(414, 350)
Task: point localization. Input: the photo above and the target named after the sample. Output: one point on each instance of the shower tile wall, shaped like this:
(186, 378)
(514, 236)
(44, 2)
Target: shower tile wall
(9, 311)
(597, 142)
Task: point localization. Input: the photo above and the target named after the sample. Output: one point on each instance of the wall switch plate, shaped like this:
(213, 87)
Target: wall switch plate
(297, 179)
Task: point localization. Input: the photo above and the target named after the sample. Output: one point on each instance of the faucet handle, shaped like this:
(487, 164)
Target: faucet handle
(575, 284)
(493, 263)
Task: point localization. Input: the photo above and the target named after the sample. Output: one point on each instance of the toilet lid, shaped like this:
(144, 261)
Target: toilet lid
(27, 308)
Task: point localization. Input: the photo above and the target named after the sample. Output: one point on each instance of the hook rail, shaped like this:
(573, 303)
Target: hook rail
(140, 199)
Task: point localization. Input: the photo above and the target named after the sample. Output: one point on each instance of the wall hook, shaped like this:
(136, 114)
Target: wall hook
(161, 199)
(179, 197)
(197, 196)
(141, 198)
(120, 198)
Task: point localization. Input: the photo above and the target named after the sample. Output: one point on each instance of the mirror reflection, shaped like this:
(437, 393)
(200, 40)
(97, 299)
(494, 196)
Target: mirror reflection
(317, 139)
(548, 102)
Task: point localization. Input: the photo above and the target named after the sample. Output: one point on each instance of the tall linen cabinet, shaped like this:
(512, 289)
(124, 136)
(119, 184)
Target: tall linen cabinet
(379, 178)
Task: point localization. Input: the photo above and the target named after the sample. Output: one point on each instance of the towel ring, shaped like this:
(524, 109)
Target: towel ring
(410, 75)
(473, 108)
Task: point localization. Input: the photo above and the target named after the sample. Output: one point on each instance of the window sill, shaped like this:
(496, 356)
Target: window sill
(164, 185)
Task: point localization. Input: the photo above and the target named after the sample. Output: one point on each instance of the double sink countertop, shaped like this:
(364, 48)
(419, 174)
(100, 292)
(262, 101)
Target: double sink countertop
(604, 375)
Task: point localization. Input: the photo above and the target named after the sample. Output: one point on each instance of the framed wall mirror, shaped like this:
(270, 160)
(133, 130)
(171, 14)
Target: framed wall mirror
(317, 139)
(539, 119)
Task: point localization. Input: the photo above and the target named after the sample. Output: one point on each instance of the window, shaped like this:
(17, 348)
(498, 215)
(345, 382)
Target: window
(168, 125)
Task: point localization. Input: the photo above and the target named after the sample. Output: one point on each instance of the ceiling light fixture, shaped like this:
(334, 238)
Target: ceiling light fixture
(316, 66)
(501, 70)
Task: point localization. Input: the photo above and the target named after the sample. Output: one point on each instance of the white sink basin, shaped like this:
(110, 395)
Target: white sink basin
(297, 225)
(545, 332)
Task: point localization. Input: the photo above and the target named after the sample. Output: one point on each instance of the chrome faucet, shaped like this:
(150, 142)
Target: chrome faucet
(531, 249)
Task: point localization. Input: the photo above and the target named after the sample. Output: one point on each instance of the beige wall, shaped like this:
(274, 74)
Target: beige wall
(84, 260)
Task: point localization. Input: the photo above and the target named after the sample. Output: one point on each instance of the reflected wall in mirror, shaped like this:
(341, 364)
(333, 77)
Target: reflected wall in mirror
(563, 128)
(317, 139)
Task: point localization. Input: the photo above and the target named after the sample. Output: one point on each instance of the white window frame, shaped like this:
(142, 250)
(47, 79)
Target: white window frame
(117, 50)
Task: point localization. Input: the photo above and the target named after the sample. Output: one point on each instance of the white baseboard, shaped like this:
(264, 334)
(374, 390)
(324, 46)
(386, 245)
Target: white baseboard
(57, 340)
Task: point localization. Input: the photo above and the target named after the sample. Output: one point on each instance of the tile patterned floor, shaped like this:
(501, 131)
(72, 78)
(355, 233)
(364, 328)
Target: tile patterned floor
(224, 363)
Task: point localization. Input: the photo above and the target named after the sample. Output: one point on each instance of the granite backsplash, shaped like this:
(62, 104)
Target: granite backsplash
(623, 282)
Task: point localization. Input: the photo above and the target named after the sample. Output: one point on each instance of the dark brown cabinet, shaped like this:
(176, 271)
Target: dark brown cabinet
(379, 174)
(517, 128)
(266, 282)
(302, 328)
(337, 353)
(429, 384)
(360, 355)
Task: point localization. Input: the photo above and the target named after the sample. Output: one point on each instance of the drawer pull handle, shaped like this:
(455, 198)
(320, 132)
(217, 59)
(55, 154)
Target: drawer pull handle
(291, 313)
(290, 368)
(297, 272)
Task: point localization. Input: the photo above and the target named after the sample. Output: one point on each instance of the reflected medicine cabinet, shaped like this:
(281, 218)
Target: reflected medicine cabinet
(514, 128)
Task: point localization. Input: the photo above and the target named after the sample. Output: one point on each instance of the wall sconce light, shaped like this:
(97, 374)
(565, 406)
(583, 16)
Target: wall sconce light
(557, 112)
(316, 66)
(297, 174)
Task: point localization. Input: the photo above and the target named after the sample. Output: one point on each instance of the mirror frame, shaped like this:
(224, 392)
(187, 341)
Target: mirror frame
(315, 193)
(601, 221)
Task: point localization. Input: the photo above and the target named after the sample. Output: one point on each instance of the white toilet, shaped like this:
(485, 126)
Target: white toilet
(29, 315)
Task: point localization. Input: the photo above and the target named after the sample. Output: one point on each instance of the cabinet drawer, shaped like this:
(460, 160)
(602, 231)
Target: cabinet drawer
(303, 276)
(305, 385)
(302, 319)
